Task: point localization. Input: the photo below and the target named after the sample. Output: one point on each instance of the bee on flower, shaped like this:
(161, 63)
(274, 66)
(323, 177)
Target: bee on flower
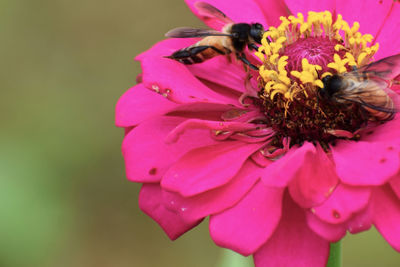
(284, 159)
(233, 38)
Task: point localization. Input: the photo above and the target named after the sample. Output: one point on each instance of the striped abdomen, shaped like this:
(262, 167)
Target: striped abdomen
(204, 49)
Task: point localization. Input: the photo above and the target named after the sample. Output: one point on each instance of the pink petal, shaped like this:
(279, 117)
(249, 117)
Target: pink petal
(172, 78)
(388, 132)
(239, 11)
(199, 110)
(230, 75)
(207, 167)
(315, 180)
(395, 184)
(210, 125)
(388, 43)
(178, 84)
(362, 221)
(283, 170)
(260, 159)
(247, 225)
(343, 203)
(386, 215)
(330, 232)
(165, 48)
(359, 222)
(293, 243)
(363, 11)
(150, 202)
(304, 6)
(222, 90)
(351, 159)
(272, 10)
(147, 156)
(139, 104)
(215, 200)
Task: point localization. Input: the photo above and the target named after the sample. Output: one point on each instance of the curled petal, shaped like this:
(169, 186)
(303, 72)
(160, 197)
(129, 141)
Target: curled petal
(242, 115)
(199, 110)
(260, 159)
(244, 137)
(210, 125)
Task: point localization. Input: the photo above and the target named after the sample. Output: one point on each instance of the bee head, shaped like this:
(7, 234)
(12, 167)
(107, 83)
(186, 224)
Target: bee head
(332, 85)
(256, 32)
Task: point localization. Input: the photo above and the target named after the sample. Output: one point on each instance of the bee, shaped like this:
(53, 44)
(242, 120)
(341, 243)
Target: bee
(367, 86)
(233, 38)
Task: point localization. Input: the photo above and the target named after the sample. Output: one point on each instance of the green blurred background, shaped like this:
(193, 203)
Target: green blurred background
(64, 198)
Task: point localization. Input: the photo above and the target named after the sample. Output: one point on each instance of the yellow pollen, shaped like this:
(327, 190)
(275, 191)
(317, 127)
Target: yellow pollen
(338, 64)
(353, 49)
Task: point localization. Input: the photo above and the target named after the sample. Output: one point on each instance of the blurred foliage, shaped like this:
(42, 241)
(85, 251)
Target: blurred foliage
(64, 198)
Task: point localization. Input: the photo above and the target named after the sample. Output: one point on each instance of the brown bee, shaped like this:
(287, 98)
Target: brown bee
(367, 86)
(233, 38)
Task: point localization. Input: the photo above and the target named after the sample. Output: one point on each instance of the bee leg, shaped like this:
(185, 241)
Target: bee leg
(243, 58)
(229, 58)
(252, 46)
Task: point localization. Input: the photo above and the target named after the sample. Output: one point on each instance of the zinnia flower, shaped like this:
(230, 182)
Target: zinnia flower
(280, 173)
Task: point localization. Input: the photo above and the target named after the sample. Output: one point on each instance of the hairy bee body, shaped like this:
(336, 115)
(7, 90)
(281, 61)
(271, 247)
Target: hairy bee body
(206, 48)
(367, 86)
(233, 38)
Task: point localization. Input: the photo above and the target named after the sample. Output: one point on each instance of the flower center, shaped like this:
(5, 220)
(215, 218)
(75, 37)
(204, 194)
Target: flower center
(296, 56)
(317, 50)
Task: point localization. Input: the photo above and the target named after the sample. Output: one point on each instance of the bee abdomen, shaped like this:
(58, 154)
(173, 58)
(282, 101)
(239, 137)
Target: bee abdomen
(383, 111)
(198, 53)
(189, 55)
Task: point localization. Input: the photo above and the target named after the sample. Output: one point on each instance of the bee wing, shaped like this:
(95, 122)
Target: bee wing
(371, 93)
(386, 68)
(208, 10)
(187, 32)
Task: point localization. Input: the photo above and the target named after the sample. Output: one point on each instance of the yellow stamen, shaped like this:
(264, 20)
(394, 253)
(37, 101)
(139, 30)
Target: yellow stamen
(351, 50)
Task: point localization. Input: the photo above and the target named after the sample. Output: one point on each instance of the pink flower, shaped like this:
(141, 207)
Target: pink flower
(205, 141)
